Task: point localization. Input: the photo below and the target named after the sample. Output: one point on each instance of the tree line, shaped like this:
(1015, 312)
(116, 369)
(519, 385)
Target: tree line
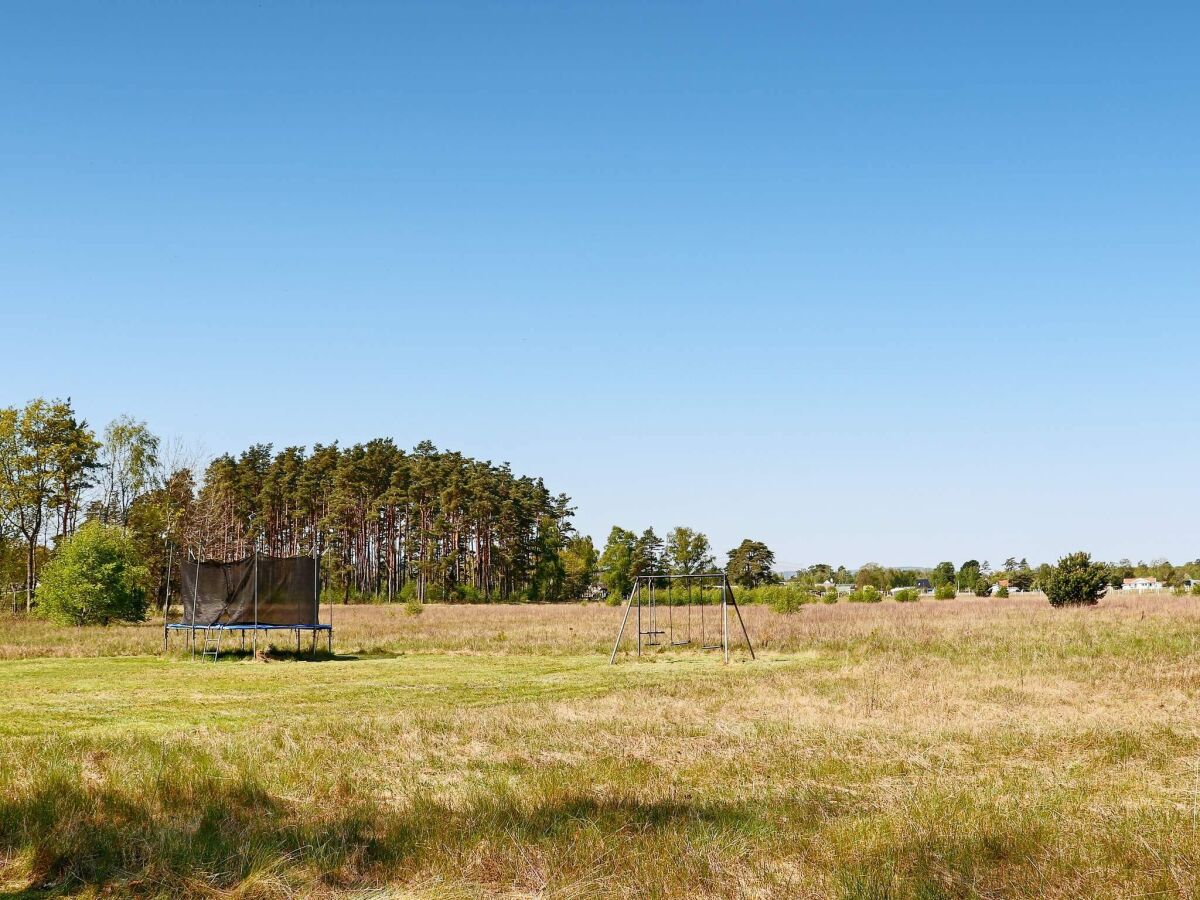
(424, 524)
(387, 523)
(685, 551)
(973, 576)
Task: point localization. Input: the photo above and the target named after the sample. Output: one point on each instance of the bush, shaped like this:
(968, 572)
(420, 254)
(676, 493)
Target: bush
(1076, 581)
(983, 588)
(468, 593)
(907, 595)
(830, 596)
(783, 598)
(786, 604)
(1002, 592)
(944, 592)
(413, 606)
(787, 601)
(1196, 590)
(867, 594)
(95, 578)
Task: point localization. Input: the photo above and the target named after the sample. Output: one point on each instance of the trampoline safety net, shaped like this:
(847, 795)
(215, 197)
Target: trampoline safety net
(223, 593)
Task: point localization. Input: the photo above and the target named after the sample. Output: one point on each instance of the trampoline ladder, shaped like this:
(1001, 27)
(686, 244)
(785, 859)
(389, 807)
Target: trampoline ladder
(212, 644)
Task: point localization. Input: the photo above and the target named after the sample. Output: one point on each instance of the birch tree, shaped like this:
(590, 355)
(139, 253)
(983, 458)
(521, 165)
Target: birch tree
(46, 460)
(129, 464)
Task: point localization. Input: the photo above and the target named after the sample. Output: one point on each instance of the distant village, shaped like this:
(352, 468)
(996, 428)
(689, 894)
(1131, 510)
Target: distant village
(1141, 584)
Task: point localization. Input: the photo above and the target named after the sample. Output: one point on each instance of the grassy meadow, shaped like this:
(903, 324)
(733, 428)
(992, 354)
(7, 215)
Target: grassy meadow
(965, 748)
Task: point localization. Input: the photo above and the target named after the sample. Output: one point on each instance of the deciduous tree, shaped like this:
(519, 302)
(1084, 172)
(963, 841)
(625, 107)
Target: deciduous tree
(46, 459)
(94, 579)
(128, 465)
(580, 563)
(968, 575)
(688, 552)
(616, 562)
(943, 573)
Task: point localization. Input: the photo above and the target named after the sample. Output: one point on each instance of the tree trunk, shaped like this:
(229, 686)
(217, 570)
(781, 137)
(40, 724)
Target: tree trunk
(30, 560)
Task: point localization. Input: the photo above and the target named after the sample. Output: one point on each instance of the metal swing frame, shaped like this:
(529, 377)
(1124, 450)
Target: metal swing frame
(642, 594)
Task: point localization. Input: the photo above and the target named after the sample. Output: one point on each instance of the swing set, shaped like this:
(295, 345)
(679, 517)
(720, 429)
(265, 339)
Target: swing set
(649, 592)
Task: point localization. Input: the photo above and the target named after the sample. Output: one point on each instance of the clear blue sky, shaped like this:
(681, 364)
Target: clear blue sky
(891, 282)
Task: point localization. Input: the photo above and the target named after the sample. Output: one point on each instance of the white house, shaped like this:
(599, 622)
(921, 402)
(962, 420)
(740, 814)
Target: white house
(1141, 583)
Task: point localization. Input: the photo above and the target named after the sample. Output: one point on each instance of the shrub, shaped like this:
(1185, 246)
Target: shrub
(783, 598)
(944, 592)
(867, 594)
(1076, 581)
(830, 596)
(413, 607)
(787, 600)
(94, 579)
(786, 603)
(1002, 591)
(468, 593)
(907, 595)
(1196, 590)
(983, 588)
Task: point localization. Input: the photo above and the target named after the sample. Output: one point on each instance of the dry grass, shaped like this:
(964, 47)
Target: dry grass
(1024, 624)
(968, 748)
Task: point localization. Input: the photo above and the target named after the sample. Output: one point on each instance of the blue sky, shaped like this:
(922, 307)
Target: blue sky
(890, 282)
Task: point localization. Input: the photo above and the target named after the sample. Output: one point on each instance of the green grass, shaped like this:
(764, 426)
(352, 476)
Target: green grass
(168, 776)
(959, 749)
(152, 696)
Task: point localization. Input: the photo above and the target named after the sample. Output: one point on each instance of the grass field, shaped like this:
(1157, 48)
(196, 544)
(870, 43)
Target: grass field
(967, 748)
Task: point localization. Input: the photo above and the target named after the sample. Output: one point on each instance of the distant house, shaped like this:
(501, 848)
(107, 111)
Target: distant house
(923, 585)
(1141, 583)
(596, 592)
(845, 588)
(1004, 583)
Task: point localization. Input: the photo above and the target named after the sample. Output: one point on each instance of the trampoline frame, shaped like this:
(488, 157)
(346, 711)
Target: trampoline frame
(190, 633)
(190, 628)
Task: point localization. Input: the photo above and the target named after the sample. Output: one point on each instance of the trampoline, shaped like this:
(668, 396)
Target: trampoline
(259, 593)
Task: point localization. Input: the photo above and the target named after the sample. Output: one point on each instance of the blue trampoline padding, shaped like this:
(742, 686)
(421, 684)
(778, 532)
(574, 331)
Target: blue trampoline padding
(199, 627)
